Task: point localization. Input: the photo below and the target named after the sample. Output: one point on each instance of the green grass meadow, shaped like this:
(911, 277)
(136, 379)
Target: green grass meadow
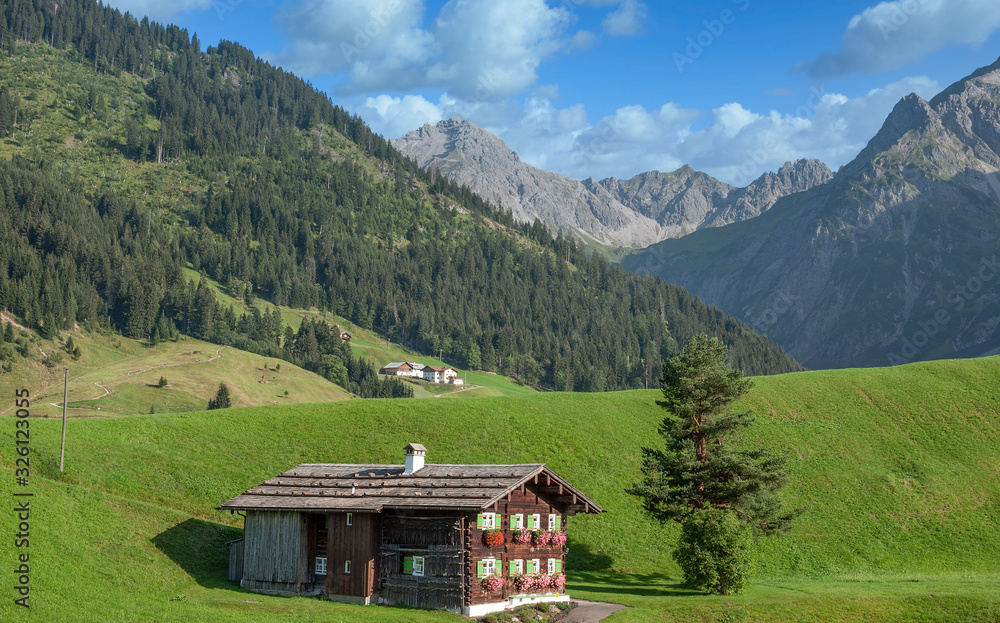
(896, 471)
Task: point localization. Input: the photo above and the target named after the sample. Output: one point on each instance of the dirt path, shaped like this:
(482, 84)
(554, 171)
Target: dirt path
(107, 392)
(590, 611)
(464, 389)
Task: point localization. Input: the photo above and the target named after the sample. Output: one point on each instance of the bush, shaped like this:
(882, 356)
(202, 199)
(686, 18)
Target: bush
(162, 382)
(716, 552)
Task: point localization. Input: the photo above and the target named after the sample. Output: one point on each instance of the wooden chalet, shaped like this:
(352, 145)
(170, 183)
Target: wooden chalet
(397, 368)
(467, 538)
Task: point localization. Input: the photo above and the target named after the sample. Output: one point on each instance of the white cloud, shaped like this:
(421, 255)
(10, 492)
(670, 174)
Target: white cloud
(158, 10)
(360, 37)
(891, 35)
(481, 50)
(736, 145)
(583, 40)
(626, 20)
(399, 115)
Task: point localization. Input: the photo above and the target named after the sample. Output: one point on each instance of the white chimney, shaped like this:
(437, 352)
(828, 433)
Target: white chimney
(414, 458)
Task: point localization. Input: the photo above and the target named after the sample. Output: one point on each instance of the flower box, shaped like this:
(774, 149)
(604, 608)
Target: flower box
(493, 537)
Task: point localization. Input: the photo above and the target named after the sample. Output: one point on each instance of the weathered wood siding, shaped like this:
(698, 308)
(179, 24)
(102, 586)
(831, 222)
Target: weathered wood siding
(275, 552)
(438, 538)
(357, 543)
(236, 560)
(530, 500)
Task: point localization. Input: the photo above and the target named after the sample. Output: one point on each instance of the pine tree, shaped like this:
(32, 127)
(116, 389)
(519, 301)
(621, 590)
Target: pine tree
(221, 399)
(699, 471)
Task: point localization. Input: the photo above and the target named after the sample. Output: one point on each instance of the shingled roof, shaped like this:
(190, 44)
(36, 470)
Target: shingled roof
(369, 487)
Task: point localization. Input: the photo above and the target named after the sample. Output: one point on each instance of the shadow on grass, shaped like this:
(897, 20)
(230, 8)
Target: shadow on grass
(199, 548)
(581, 557)
(646, 585)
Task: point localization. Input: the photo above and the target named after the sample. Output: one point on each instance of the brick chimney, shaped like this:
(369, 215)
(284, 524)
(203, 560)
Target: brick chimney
(414, 457)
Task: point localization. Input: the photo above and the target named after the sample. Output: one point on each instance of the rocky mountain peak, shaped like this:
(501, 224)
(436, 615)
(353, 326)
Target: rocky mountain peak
(635, 212)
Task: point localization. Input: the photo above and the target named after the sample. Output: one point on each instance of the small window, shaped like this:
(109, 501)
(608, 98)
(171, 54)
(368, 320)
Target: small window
(535, 521)
(418, 565)
(347, 566)
(487, 567)
(517, 521)
(552, 566)
(486, 521)
(553, 522)
(350, 519)
(320, 566)
(534, 565)
(517, 567)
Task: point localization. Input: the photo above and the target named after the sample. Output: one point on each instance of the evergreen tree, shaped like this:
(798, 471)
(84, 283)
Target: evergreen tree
(700, 471)
(221, 399)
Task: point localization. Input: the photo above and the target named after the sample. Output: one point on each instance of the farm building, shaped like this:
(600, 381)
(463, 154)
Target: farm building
(441, 374)
(467, 538)
(397, 368)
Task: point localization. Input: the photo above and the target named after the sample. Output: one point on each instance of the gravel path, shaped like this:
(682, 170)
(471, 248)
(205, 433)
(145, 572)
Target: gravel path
(590, 611)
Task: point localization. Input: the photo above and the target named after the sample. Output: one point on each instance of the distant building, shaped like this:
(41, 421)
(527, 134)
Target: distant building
(439, 374)
(344, 335)
(425, 536)
(433, 374)
(397, 368)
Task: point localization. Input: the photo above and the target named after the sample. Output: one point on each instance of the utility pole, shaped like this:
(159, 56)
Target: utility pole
(62, 448)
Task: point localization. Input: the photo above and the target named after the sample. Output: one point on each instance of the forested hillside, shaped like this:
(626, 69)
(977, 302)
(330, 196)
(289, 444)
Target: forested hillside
(131, 155)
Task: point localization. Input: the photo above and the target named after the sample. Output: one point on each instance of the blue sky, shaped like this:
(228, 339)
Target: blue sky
(598, 88)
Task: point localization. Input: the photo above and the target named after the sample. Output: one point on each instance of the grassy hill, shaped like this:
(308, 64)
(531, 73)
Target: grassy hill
(896, 470)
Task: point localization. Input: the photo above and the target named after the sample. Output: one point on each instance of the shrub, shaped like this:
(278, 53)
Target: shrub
(162, 382)
(716, 552)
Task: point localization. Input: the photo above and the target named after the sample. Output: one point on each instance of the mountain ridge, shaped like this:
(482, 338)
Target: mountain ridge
(649, 207)
(891, 261)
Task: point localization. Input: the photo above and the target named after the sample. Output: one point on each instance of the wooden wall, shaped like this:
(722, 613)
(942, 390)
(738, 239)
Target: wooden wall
(438, 538)
(275, 551)
(527, 502)
(358, 543)
(236, 560)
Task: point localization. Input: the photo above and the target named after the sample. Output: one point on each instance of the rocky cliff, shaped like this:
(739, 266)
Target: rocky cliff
(633, 213)
(893, 260)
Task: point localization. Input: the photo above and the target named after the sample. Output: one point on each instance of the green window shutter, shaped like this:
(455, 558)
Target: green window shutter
(479, 521)
(513, 568)
(408, 565)
(530, 566)
(558, 521)
(498, 570)
(531, 521)
(513, 522)
(558, 566)
(480, 572)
